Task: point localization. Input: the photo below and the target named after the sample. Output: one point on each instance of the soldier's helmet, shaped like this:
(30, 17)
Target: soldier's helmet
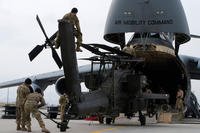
(28, 81)
(74, 10)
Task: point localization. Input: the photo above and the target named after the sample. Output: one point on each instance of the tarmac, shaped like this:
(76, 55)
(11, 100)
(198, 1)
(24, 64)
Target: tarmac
(122, 125)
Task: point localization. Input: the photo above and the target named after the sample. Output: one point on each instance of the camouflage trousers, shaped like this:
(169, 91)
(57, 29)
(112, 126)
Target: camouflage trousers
(20, 116)
(32, 108)
(180, 107)
(79, 39)
(62, 112)
(78, 36)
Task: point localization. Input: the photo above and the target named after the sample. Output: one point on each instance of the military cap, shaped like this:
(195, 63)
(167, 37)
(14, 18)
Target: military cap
(28, 81)
(74, 10)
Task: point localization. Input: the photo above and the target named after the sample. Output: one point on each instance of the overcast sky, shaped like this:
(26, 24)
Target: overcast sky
(20, 33)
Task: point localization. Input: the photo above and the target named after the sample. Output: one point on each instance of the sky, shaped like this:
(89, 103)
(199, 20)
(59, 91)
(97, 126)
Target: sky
(20, 33)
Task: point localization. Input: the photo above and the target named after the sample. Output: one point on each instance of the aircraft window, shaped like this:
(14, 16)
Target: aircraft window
(146, 35)
(167, 36)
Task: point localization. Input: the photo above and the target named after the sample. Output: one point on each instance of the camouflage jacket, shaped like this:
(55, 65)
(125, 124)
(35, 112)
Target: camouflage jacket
(22, 92)
(35, 99)
(73, 19)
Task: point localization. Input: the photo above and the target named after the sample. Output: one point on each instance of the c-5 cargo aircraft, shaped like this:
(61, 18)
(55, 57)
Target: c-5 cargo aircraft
(118, 78)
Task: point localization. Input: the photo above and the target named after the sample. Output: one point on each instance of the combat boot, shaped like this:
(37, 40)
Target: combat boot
(78, 44)
(18, 128)
(24, 128)
(78, 49)
(29, 129)
(45, 130)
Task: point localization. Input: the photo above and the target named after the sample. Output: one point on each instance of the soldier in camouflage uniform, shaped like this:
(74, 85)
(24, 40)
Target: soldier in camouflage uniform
(33, 102)
(179, 102)
(73, 19)
(63, 101)
(22, 92)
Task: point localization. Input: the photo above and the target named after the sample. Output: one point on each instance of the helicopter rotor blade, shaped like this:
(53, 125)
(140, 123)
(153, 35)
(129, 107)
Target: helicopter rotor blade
(38, 49)
(35, 52)
(42, 28)
(56, 57)
(91, 59)
(92, 49)
(113, 50)
(54, 53)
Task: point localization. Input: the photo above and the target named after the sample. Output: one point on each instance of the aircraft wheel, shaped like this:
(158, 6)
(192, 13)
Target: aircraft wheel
(108, 120)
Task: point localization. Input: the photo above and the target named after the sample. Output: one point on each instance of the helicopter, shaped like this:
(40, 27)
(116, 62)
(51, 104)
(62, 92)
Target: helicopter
(118, 77)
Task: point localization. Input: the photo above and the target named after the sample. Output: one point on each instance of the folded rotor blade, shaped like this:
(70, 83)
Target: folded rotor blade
(90, 59)
(92, 49)
(56, 57)
(113, 50)
(93, 58)
(194, 36)
(41, 26)
(35, 51)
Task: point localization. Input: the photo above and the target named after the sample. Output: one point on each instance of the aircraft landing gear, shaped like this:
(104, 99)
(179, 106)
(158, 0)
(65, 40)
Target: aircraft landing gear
(108, 120)
(142, 119)
(100, 119)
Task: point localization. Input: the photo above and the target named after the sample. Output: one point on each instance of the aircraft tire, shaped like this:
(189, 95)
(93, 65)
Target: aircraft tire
(108, 121)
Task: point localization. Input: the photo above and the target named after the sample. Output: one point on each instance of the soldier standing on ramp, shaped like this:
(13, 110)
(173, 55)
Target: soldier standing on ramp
(179, 102)
(63, 101)
(22, 92)
(73, 19)
(33, 102)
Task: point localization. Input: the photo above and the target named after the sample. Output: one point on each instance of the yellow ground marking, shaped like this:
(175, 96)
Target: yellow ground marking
(104, 130)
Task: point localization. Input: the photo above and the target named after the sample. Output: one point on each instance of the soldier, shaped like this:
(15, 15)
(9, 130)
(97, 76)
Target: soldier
(179, 102)
(73, 19)
(22, 92)
(33, 102)
(63, 101)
